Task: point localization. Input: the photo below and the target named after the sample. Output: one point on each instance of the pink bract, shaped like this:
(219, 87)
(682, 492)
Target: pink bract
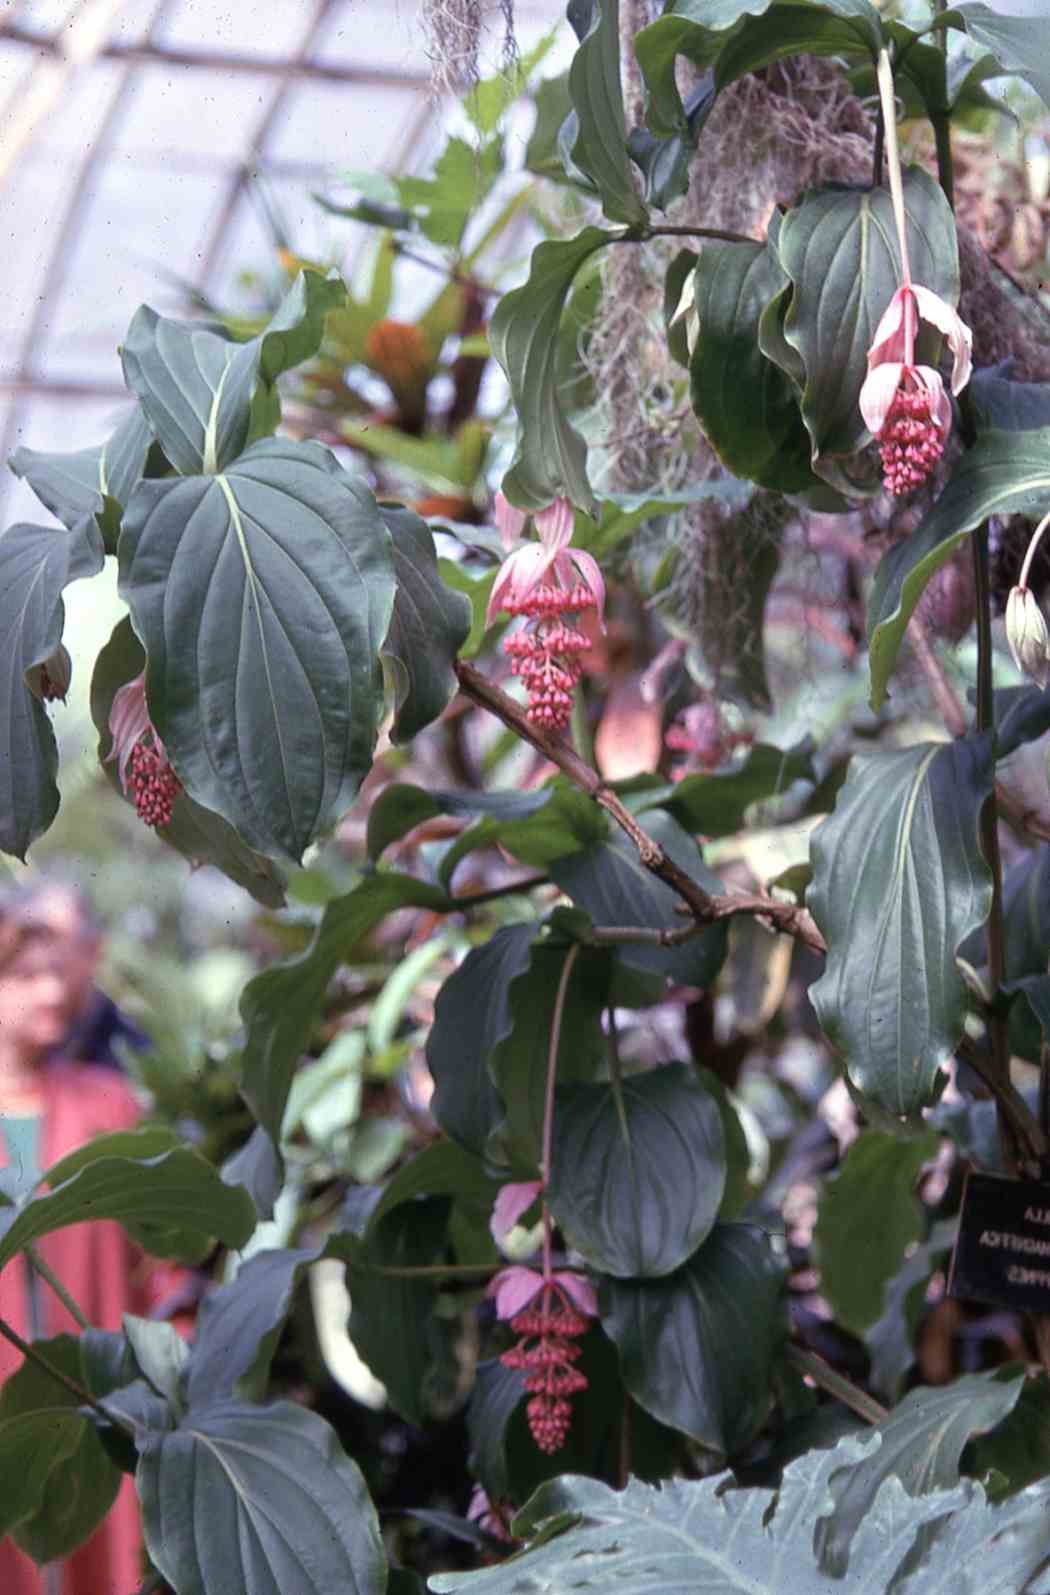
(511, 1202)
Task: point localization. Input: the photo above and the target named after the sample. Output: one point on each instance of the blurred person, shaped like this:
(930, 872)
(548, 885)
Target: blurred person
(49, 1106)
(96, 1028)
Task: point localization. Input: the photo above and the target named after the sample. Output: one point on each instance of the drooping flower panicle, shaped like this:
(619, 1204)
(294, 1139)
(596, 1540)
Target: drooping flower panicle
(904, 405)
(145, 771)
(549, 1314)
(549, 585)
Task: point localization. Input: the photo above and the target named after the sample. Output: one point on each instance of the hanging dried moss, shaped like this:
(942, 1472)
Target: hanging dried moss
(454, 30)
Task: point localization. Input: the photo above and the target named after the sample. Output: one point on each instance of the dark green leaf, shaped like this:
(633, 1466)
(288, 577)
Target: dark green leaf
(36, 564)
(471, 1016)
(518, 1061)
(608, 880)
(746, 405)
(698, 1348)
(861, 1243)
(428, 627)
(161, 1353)
(596, 137)
(256, 1500)
(715, 805)
(194, 831)
(91, 482)
(279, 1007)
(1007, 405)
(738, 36)
(441, 1169)
(392, 1320)
(174, 1202)
(638, 1171)
(57, 1481)
(1005, 473)
(839, 247)
(706, 1538)
(1022, 714)
(1018, 1450)
(565, 821)
(1017, 43)
(399, 808)
(893, 1340)
(551, 457)
(207, 398)
(922, 1441)
(239, 1325)
(899, 881)
(262, 597)
(32, 1447)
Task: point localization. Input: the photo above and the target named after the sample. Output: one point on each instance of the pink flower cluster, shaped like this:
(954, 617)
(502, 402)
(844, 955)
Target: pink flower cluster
(904, 405)
(549, 584)
(549, 1314)
(145, 771)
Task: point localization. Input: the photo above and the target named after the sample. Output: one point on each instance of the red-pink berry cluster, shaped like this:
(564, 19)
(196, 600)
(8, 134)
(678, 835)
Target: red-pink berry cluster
(549, 1328)
(152, 783)
(910, 442)
(548, 653)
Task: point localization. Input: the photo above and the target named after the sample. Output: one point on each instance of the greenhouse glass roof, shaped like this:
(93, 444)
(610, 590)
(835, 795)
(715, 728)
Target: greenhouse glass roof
(148, 149)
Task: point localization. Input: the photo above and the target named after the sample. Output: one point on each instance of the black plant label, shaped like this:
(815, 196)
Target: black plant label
(1002, 1253)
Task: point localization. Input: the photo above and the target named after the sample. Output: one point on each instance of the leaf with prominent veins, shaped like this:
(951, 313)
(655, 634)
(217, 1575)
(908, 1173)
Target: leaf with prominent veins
(262, 596)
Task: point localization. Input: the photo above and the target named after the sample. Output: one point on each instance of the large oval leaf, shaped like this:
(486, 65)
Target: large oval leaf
(173, 1202)
(471, 1017)
(839, 247)
(90, 482)
(56, 1481)
(697, 1349)
(861, 1244)
(747, 406)
(517, 1063)
(595, 134)
(36, 563)
(1004, 473)
(898, 882)
(637, 1171)
(258, 1500)
(262, 597)
(205, 396)
(551, 456)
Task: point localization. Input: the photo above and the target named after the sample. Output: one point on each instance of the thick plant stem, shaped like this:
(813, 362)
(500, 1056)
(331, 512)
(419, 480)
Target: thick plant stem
(836, 1384)
(705, 908)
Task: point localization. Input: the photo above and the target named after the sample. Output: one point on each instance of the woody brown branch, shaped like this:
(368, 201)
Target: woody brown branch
(705, 908)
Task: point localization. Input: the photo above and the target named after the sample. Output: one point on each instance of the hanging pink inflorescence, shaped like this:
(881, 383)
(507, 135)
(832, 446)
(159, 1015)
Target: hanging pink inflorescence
(549, 585)
(549, 1328)
(549, 1312)
(904, 405)
(146, 773)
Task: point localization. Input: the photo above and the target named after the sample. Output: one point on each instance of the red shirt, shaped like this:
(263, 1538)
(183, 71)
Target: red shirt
(107, 1275)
